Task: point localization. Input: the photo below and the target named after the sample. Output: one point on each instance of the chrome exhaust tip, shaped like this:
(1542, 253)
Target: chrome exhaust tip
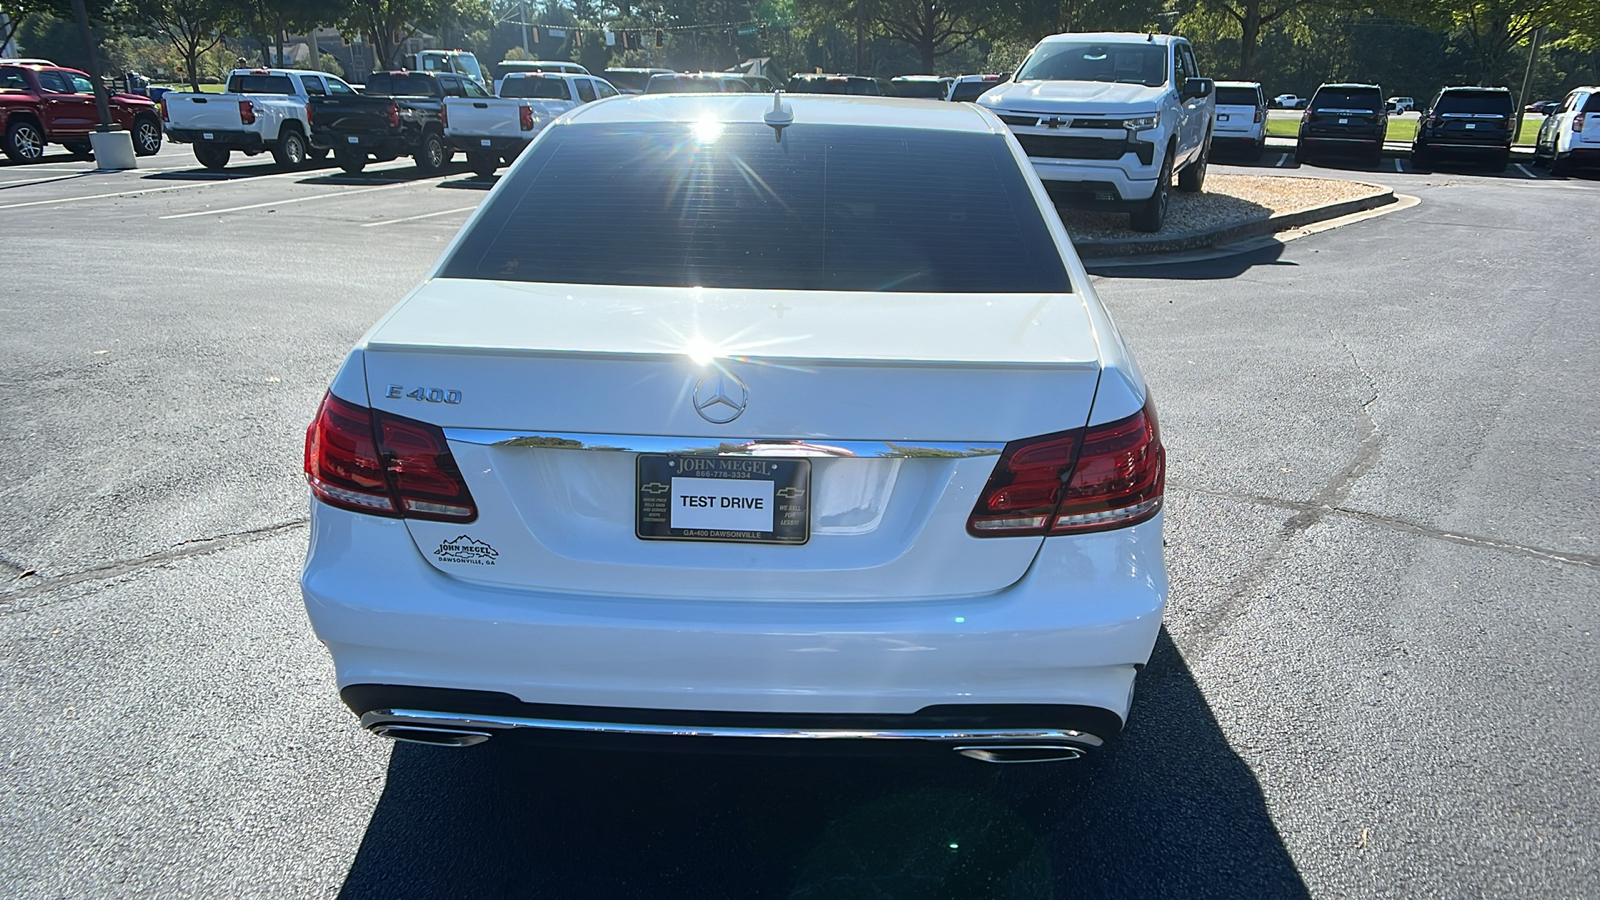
(421, 734)
(1023, 753)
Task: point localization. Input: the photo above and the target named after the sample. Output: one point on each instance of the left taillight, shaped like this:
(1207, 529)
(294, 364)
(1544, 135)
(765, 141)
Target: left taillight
(525, 117)
(1072, 482)
(247, 112)
(372, 462)
(393, 113)
(165, 116)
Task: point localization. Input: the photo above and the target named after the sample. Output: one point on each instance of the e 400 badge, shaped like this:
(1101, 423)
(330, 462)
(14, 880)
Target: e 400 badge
(423, 394)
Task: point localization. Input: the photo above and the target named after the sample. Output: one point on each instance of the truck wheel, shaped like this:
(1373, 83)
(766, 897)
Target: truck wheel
(290, 151)
(24, 141)
(352, 161)
(483, 164)
(213, 156)
(146, 136)
(1150, 217)
(431, 153)
(1193, 176)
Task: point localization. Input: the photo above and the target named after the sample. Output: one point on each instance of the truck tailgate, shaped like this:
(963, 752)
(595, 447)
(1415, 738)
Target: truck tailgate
(203, 111)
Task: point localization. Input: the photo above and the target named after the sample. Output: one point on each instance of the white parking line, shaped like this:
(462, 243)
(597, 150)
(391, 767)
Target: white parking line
(148, 190)
(234, 209)
(1283, 160)
(442, 212)
(1525, 170)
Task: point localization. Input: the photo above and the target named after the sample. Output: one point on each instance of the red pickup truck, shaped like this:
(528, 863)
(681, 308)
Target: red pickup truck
(51, 105)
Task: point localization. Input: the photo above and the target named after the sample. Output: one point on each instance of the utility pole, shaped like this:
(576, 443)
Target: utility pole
(1527, 81)
(524, 19)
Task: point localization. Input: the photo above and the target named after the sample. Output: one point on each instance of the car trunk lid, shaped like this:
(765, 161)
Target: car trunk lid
(899, 403)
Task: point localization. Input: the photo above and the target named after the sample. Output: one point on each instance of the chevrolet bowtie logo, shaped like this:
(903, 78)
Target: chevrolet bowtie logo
(1054, 121)
(790, 493)
(654, 487)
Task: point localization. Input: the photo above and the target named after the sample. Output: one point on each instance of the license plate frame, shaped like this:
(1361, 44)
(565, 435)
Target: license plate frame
(663, 478)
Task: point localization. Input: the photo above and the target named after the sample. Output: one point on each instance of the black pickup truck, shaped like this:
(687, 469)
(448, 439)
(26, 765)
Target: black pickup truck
(396, 115)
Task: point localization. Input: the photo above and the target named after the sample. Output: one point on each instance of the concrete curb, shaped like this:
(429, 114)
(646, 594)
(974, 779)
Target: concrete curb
(1227, 234)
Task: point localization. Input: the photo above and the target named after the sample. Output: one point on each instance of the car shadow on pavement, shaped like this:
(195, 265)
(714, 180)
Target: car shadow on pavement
(471, 183)
(1227, 263)
(1170, 811)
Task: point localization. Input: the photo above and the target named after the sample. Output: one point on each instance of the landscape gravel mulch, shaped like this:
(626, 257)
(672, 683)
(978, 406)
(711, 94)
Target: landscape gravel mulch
(1226, 201)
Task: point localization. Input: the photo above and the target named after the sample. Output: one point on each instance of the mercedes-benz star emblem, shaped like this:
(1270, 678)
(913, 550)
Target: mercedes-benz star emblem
(719, 397)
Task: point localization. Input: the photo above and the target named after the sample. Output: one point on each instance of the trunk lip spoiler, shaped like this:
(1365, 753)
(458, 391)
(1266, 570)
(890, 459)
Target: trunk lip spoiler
(721, 446)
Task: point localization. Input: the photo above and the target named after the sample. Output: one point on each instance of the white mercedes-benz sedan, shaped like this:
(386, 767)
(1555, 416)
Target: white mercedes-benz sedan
(746, 421)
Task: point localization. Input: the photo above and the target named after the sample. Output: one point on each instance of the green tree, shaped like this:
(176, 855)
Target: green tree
(194, 27)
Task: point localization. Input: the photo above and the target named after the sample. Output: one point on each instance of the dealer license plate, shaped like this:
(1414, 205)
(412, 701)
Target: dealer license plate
(484, 142)
(206, 135)
(1344, 121)
(724, 498)
(355, 140)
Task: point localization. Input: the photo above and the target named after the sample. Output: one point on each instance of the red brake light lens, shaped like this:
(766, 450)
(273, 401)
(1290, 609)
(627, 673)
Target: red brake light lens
(372, 462)
(1577, 122)
(394, 115)
(247, 112)
(1071, 482)
(525, 117)
(444, 116)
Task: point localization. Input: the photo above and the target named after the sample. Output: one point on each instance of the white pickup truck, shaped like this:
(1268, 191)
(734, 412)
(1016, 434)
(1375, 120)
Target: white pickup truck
(492, 130)
(1107, 118)
(262, 110)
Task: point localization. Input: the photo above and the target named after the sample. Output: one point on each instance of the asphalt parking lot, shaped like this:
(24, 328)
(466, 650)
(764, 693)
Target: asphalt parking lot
(1377, 678)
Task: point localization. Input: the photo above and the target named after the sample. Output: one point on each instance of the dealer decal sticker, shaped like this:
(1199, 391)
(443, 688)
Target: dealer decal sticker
(465, 549)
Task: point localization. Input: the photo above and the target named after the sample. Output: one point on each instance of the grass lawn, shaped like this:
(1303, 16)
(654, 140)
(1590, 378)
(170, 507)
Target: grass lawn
(219, 88)
(1403, 129)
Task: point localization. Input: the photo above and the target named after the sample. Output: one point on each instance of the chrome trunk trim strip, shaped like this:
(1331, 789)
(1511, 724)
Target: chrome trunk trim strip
(628, 443)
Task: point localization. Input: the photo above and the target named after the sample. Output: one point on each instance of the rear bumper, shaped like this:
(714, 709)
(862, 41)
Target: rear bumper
(248, 141)
(502, 146)
(376, 144)
(1071, 633)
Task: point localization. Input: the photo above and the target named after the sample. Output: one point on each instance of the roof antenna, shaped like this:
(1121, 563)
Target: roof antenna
(779, 116)
(1150, 38)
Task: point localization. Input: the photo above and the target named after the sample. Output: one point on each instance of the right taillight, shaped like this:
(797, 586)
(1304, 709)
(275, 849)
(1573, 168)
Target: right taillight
(1071, 482)
(386, 465)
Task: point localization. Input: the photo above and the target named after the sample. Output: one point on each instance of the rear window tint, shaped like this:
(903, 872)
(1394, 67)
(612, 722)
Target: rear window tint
(536, 88)
(677, 84)
(1232, 96)
(260, 84)
(1345, 98)
(934, 90)
(1593, 106)
(825, 207)
(1495, 102)
(628, 81)
(819, 86)
(972, 90)
(413, 85)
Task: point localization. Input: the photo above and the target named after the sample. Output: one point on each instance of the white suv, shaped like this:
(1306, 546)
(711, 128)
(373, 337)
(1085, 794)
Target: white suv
(1241, 115)
(1107, 119)
(1571, 138)
(897, 485)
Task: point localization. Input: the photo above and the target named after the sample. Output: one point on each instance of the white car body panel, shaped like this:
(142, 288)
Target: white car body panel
(1071, 631)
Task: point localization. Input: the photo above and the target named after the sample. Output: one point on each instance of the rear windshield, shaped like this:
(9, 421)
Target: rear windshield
(1593, 105)
(819, 85)
(931, 89)
(260, 84)
(1234, 96)
(628, 81)
(1142, 63)
(821, 207)
(1497, 102)
(968, 91)
(412, 85)
(676, 84)
(538, 88)
(1348, 98)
